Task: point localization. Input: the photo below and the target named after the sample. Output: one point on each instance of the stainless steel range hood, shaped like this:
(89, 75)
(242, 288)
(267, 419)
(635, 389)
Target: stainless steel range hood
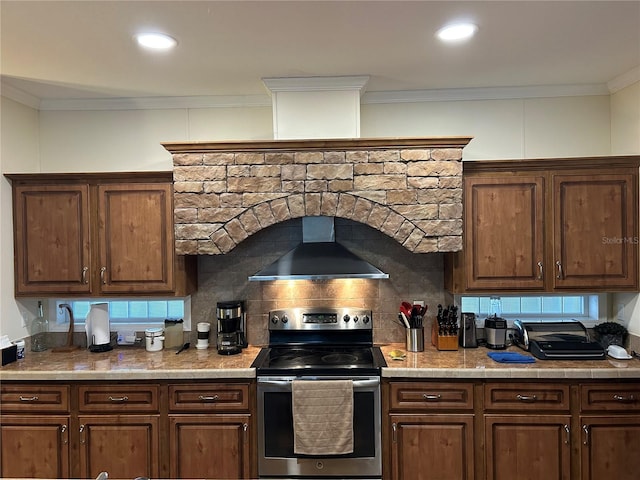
(318, 257)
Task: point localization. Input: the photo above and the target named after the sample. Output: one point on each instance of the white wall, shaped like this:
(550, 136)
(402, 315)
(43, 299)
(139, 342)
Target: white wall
(18, 153)
(625, 139)
(519, 128)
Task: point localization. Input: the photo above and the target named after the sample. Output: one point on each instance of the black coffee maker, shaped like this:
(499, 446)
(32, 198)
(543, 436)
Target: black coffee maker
(231, 323)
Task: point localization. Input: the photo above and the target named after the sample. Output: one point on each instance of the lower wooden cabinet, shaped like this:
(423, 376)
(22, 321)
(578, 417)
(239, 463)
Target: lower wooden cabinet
(528, 447)
(506, 430)
(432, 446)
(209, 446)
(34, 446)
(124, 446)
(607, 447)
(127, 429)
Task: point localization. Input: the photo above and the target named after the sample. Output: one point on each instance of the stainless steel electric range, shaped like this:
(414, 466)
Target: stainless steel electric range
(318, 344)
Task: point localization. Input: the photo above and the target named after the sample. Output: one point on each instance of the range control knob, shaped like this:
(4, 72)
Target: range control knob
(285, 319)
(275, 319)
(365, 319)
(346, 318)
(355, 319)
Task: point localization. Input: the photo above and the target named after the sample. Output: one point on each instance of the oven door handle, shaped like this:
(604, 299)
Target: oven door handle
(286, 384)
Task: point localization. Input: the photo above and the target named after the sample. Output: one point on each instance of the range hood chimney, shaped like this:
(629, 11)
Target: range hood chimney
(317, 107)
(318, 257)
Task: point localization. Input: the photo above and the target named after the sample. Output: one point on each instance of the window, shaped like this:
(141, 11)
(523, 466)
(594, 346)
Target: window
(585, 308)
(136, 314)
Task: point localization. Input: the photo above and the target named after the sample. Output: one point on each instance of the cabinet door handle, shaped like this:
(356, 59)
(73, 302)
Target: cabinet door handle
(526, 398)
(431, 397)
(118, 399)
(621, 398)
(82, 439)
(245, 432)
(540, 271)
(560, 273)
(102, 276)
(35, 398)
(205, 398)
(585, 429)
(567, 431)
(394, 430)
(84, 275)
(63, 434)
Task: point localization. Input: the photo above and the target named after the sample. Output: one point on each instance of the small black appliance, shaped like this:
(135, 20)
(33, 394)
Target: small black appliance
(231, 325)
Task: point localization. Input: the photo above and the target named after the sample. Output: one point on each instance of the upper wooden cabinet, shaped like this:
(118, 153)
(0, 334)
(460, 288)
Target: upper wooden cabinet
(96, 234)
(549, 226)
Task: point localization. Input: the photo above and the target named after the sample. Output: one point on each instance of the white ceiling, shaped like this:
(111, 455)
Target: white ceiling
(84, 49)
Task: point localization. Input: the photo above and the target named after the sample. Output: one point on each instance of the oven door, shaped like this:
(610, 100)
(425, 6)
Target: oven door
(275, 433)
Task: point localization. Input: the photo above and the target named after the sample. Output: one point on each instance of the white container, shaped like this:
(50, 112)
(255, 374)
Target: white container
(203, 335)
(154, 338)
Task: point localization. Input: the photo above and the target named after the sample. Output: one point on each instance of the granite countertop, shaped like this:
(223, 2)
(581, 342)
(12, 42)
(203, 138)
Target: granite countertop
(131, 363)
(474, 363)
(135, 363)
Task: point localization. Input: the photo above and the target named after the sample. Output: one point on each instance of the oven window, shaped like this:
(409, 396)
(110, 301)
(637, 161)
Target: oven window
(278, 426)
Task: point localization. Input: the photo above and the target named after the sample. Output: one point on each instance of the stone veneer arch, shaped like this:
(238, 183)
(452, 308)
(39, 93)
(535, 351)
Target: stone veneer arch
(409, 189)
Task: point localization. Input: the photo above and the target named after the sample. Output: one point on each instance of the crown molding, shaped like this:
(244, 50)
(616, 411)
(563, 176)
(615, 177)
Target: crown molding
(229, 101)
(20, 96)
(156, 103)
(624, 80)
(314, 84)
(488, 93)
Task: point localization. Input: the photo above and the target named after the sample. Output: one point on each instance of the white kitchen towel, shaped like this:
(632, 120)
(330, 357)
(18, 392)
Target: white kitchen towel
(323, 417)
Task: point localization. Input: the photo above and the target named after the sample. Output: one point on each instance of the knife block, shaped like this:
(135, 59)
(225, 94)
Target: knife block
(443, 342)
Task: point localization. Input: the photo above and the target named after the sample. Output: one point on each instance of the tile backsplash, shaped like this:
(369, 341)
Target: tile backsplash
(412, 276)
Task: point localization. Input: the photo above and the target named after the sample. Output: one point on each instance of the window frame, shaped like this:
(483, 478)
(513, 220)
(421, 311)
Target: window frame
(594, 314)
(56, 325)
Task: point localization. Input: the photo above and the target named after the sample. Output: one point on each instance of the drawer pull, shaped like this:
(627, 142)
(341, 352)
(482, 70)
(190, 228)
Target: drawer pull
(526, 398)
(622, 398)
(118, 399)
(431, 397)
(35, 398)
(205, 398)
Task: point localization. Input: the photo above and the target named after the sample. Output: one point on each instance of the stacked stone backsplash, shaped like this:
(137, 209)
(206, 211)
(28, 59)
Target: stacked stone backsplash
(238, 205)
(409, 189)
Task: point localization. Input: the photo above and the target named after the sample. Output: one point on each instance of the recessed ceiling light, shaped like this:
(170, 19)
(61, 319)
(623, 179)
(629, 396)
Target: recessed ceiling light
(156, 41)
(457, 32)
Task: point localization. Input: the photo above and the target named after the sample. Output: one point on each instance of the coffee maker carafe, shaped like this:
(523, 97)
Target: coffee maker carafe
(231, 327)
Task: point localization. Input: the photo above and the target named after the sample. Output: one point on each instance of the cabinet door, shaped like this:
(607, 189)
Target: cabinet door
(595, 231)
(608, 445)
(52, 239)
(431, 446)
(136, 238)
(209, 446)
(504, 232)
(34, 446)
(528, 447)
(125, 446)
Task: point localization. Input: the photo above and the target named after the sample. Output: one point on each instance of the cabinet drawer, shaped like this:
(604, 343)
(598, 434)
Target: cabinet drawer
(34, 398)
(431, 396)
(615, 397)
(523, 396)
(209, 397)
(118, 398)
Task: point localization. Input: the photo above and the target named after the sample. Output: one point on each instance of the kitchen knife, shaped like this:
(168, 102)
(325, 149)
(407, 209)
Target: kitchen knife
(183, 347)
